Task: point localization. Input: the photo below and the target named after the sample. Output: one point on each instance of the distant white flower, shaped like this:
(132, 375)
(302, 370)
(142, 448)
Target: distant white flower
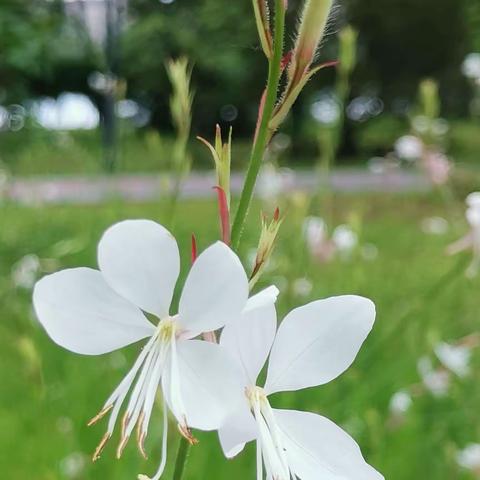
(400, 402)
(94, 312)
(437, 166)
(270, 183)
(302, 287)
(314, 344)
(409, 147)
(314, 232)
(73, 465)
(25, 272)
(435, 225)
(437, 382)
(345, 239)
(471, 241)
(469, 457)
(471, 66)
(454, 357)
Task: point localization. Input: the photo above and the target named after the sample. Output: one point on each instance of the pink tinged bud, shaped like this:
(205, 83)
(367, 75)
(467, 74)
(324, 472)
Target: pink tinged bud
(224, 215)
(310, 33)
(194, 248)
(266, 244)
(222, 157)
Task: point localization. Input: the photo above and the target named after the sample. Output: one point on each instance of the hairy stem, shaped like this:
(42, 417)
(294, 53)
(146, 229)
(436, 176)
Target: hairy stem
(263, 134)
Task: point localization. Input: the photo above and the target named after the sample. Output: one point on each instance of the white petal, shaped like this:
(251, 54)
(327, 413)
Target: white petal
(139, 259)
(239, 429)
(265, 297)
(317, 448)
(215, 292)
(249, 338)
(83, 314)
(209, 384)
(319, 341)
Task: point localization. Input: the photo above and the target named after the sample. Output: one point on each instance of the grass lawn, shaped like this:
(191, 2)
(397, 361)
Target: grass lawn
(422, 296)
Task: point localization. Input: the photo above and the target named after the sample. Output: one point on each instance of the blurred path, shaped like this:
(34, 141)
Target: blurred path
(140, 188)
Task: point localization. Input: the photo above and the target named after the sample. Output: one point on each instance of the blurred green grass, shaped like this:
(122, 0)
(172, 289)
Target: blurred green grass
(48, 394)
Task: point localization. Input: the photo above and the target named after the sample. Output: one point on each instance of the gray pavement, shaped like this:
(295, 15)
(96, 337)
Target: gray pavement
(145, 187)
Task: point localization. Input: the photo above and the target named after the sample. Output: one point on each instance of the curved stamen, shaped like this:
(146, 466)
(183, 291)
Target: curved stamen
(163, 461)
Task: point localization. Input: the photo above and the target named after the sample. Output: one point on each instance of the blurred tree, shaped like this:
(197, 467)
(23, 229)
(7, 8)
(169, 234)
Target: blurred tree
(221, 43)
(41, 52)
(406, 40)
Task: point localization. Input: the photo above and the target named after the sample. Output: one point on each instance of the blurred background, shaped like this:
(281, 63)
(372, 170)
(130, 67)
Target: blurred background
(372, 167)
(69, 67)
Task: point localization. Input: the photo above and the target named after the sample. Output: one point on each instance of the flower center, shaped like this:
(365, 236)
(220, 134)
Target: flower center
(142, 381)
(269, 444)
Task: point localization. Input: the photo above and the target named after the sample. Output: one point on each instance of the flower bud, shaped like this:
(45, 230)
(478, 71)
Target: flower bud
(179, 74)
(266, 244)
(262, 18)
(222, 156)
(312, 27)
(429, 99)
(347, 55)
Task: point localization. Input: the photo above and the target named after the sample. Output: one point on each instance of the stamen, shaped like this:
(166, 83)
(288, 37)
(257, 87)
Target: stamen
(259, 460)
(101, 446)
(141, 436)
(163, 461)
(121, 446)
(270, 450)
(100, 415)
(187, 434)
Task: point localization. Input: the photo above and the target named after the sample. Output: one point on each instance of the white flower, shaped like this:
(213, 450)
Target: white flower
(25, 271)
(472, 239)
(94, 312)
(302, 287)
(270, 182)
(435, 225)
(437, 382)
(471, 66)
(409, 147)
(314, 231)
(454, 357)
(469, 457)
(314, 344)
(345, 239)
(400, 402)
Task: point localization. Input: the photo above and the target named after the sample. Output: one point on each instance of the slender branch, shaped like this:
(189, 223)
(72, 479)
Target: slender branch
(181, 460)
(261, 140)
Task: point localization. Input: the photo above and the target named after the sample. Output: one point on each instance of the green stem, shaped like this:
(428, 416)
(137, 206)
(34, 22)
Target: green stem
(181, 460)
(263, 134)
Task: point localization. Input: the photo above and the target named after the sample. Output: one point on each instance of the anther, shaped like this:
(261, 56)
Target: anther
(100, 415)
(101, 446)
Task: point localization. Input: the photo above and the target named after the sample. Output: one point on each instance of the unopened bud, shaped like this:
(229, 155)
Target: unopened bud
(347, 54)
(222, 156)
(266, 244)
(179, 73)
(262, 18)
(429, 99)
(310, 33)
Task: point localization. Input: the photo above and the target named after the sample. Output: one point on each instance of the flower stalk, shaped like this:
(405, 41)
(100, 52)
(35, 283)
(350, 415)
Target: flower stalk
(181, 459)
(265, 115)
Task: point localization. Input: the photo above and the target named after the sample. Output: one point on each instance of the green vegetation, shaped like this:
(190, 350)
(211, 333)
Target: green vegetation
(422, 296)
